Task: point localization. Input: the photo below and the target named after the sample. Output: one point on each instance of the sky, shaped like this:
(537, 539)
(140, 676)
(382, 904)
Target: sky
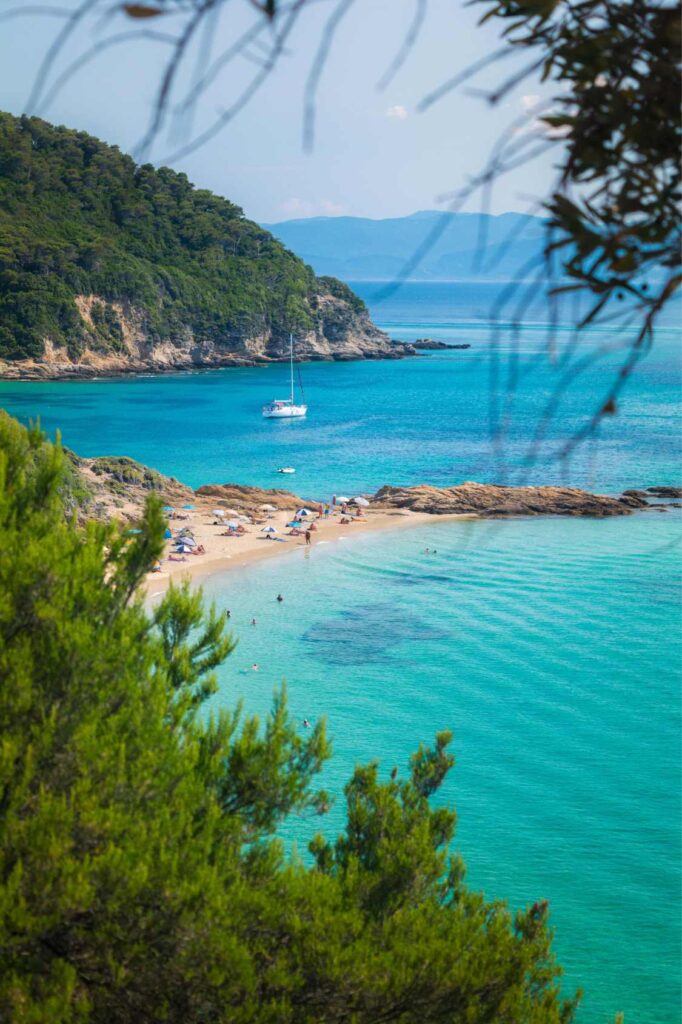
(373, 155)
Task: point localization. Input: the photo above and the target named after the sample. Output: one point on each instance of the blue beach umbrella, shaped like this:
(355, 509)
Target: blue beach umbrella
(129, 533)
(168, 508)
(296, 522)
(167, 535)
(188, 506)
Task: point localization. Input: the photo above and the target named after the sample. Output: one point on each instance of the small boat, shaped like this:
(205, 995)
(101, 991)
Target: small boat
(286, 408)
(286, 469)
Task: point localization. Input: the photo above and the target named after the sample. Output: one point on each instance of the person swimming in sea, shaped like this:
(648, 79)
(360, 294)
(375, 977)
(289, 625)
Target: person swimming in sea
(253, 622)
(255, 667)
(306, 723)
(280, 598)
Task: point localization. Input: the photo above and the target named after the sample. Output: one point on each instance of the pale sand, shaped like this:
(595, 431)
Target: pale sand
(226, 553)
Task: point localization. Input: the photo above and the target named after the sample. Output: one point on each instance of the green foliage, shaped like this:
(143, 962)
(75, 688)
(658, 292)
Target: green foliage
(140, 875)
(614, 214)
(77, 217)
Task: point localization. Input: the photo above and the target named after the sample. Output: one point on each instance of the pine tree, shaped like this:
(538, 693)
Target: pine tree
(141, 878)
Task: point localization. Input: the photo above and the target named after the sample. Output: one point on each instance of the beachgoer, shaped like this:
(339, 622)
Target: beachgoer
(307, 536)
(253, 622)
(228, 614)
(306, 723)
(254, 667)
(280, 598)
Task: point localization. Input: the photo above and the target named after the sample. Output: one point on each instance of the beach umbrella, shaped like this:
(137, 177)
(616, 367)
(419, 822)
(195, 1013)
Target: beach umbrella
(188, 506)
(341, 499)
(188, 542)
(168, 508)
(232, 512)
(361, 501)
(296, 522)
(167, 535)
(269, 508)
(232, 523)
(218, 512)
(304, 512)
(268, 529)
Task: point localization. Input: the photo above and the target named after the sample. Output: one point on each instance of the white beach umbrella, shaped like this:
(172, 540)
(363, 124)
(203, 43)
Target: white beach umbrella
(268, 529)
(361, 501)
(232, 523)
(304, 512)
(341, 499)
(187, 542)
(232, 512)
(218, 512)
(269, 508)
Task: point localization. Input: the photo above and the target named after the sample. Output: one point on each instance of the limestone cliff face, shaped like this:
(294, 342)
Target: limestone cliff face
(339, 332)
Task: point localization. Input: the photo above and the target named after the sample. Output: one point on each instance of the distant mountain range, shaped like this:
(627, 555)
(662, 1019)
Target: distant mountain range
(471, 246)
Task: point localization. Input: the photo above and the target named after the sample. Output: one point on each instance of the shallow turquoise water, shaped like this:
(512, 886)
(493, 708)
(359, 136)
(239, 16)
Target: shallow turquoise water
(551, 647)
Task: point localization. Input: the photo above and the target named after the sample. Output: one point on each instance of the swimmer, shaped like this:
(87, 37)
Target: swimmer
(254, 667)
(306, 723)
(253, 622)
(280, 598)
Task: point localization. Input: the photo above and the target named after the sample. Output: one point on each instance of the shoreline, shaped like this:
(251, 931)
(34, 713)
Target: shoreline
(241, 552)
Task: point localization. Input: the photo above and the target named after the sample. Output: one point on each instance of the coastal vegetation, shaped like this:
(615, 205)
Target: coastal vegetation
(141, 874)
(99, 254)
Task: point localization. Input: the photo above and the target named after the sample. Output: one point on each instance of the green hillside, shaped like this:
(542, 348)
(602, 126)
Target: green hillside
(80, 218)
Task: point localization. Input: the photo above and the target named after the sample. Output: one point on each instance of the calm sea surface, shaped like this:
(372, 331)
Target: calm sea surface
(551, 647)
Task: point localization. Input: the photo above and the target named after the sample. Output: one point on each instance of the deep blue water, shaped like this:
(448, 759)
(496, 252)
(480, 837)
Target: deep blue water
(550, 647)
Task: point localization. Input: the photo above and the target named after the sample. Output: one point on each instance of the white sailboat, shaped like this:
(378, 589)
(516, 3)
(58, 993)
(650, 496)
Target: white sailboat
(281, 408)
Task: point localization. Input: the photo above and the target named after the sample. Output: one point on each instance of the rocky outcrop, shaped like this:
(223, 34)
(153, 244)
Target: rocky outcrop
(248, 499)
(665, 492)
(430, 345)
(340, 332)
(491, 500)
(119, 486)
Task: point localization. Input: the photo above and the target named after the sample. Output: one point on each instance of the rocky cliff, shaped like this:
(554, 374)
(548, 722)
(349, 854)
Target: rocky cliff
(107, 267)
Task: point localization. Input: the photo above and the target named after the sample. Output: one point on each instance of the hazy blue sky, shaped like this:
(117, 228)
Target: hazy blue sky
(374, 155)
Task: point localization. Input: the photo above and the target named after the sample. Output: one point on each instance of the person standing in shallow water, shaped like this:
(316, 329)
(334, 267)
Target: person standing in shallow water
(307, 536)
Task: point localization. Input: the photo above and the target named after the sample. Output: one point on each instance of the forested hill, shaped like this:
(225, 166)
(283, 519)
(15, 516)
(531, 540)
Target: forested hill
(106, 266)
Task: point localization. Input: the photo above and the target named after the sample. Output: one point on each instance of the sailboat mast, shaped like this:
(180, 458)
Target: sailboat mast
(291, 365)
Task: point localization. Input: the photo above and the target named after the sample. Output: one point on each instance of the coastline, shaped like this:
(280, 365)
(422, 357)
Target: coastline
(228, 553)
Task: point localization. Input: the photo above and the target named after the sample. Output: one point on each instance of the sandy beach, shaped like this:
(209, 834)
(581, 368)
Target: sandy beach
(223, 553)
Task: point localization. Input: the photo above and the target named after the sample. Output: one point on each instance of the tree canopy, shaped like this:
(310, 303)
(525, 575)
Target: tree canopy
(141, 877)
(79, 218)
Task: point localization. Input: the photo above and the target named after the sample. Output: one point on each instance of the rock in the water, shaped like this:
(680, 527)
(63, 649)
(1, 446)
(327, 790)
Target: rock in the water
(665, 492)
(491, 500)
(429, 344)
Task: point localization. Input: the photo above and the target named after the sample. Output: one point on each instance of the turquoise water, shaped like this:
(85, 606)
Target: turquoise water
(425, 419)
(550, 647)
(552, 650)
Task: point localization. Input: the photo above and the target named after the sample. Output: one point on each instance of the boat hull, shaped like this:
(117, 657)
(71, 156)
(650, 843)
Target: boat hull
(285, 412)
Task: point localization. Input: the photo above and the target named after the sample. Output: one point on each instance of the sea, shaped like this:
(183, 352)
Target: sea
(550, 647)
